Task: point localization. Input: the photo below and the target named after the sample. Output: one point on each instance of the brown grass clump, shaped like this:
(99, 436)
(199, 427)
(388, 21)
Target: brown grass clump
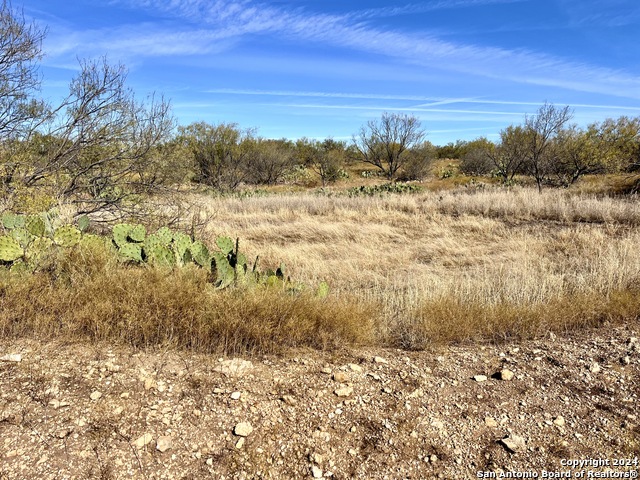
(92, 296)
(453, 320)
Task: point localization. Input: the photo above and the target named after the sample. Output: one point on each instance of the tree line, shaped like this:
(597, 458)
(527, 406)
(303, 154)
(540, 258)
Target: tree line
(552, 151)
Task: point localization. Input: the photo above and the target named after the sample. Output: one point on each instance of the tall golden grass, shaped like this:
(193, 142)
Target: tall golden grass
(437, 261)
(404, 270)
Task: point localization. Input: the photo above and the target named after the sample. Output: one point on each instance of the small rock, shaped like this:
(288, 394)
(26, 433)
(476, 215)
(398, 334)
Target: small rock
(480, 378)
(626, 360)
(164, 443)
(326, 370)
(490, 422)
(355, 367)
(243, 429)
(150, 383)
(236, 396)
(418, 392)
(380, 360)
(506, 375)
(240, 443)
(118, 410)
(344, 391)
(433, 458)
(594, 368)
(143, 440)
(234, 367)
(437, 424)
(316, 471)
(340, 377)
(95, 395)
(514, 443)
(316, 458)
(56, 404)
(289, 400)
(11, 357)
(559, 421)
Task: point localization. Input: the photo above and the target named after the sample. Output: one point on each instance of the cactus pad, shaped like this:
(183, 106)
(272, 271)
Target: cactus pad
(161, 256)
(323, 290)
(181, 245)
(35, 225)
(131, 251)
(138, 233)
(225, 244)
(200, 254)
(121, 233)
(83, 223)
(11, 220)
(165, 235)
(38, 250)
(10, 249)
(22, 236)
(67, 236)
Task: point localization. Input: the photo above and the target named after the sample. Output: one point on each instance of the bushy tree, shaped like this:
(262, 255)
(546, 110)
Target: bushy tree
(477, 157)
(418, 162)
(326, 158)
(268, 160)
(219, 153)
(386, 143)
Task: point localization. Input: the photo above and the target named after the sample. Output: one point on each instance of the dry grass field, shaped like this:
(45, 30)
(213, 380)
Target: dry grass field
(405, 270)
(452, 265)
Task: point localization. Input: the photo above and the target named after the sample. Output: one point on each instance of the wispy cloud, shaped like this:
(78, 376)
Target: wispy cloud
(433, 101)
(602, 13)
(427, 7)
(227, 19)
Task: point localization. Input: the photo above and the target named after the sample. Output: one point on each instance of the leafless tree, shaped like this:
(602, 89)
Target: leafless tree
(541, 130)
(385, 142)
(20, 51)
(95, 149)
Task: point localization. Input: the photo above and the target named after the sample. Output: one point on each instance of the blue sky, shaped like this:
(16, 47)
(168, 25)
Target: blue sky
(322, 68)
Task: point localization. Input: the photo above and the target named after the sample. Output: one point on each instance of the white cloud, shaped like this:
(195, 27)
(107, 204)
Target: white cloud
(218, 25)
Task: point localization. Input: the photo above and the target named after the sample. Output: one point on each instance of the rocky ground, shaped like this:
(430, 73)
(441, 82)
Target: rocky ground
(70, 410)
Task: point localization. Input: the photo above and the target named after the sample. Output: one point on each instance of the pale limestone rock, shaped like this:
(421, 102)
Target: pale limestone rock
(243, 429)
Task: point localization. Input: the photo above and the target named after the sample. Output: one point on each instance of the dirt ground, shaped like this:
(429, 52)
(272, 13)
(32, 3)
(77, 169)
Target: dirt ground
(81, 411)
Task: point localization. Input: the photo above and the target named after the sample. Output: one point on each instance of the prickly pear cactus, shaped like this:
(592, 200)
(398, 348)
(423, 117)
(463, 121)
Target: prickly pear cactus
(83, 223)
(11, 220)
(138, 233)
(38, 250)
(120, 233)
(22, 236)
(181, 245)
(10, 249)
(67, 236)
(131, 251)
(161, 256)
(225, 244)
(200, 254)
(323, 290)
(165, 235)
(35, 225)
